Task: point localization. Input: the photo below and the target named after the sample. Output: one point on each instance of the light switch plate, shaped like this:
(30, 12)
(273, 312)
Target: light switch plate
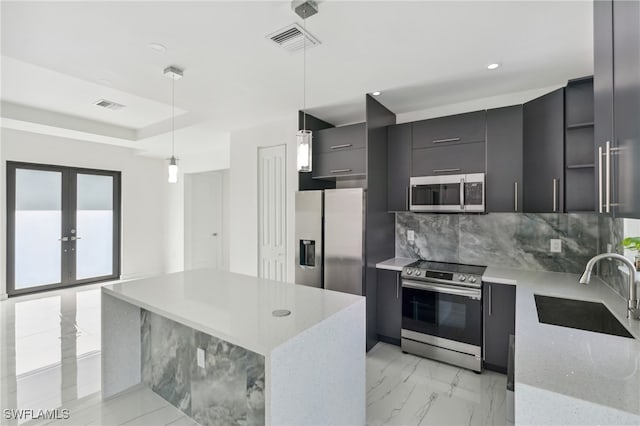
(411, 236)
(200, 357)
(556, 245)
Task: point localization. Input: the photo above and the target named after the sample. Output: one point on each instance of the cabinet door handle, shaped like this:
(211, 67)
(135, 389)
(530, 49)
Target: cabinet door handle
(346, 145)
(397, 286)
(462, 194)
(600, 206)
(555, 195)
(408, 197)
(341, 171)
(446, 140)
(515, 196)
(445, 170)
(490, 298)
(608, 176)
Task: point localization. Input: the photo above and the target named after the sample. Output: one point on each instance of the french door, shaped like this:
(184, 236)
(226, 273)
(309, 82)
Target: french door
(63, 226)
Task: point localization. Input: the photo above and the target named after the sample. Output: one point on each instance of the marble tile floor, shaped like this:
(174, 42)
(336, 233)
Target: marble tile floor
(50, 358)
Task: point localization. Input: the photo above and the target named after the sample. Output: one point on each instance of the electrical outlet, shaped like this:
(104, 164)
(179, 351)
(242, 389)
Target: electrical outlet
(556, 245)
(200, 357)
(411, 236)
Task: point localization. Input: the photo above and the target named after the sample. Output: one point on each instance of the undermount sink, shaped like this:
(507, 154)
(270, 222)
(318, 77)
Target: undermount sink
(580, 314)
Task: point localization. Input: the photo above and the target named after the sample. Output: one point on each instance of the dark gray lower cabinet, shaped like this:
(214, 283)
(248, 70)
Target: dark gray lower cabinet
(389, 306)
(504, 159)
(499, 312)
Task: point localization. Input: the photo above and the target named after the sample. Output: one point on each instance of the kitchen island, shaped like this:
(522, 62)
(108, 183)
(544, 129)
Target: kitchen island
(215, 345)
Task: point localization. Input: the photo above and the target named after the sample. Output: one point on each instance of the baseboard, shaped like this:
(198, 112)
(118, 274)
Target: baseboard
(389, 340)
(495, 368)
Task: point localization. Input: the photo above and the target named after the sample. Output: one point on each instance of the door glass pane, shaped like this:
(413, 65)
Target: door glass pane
(38, 227)
(94, 226)
(443, 194)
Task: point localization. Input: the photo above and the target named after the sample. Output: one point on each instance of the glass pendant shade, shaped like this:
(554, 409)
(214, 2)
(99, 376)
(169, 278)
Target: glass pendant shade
(173, 169)
(304, 150)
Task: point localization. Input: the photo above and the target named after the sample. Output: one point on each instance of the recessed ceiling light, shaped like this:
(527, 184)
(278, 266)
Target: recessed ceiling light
(157, 47)
(493, 66)
(376, 93)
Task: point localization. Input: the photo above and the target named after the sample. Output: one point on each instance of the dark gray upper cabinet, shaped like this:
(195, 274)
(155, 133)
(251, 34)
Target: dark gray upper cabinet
(454, 129)
(339, 152)
(389, 306)
(499, 311)
(337, 139)
(543, 122)
(504, 159)
(602, 88)
(449, 159)
(626, 98)
(398, 166)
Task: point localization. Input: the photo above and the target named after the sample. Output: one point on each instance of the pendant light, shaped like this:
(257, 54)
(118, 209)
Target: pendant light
(174, 74)
(304, 136)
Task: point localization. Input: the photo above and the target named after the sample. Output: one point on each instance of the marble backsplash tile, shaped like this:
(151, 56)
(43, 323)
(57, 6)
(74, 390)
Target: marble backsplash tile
(611, 232)
(500, 239)
(228, 391)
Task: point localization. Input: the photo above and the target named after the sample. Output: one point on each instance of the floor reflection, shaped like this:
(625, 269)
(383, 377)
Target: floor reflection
(50, 352)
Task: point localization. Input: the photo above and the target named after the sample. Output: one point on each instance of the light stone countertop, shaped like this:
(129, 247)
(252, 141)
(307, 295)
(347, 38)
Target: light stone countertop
(569, 376)
(234, 307)
(395, 263)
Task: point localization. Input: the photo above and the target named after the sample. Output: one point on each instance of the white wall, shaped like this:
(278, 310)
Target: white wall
(148, 225)
(244, 192)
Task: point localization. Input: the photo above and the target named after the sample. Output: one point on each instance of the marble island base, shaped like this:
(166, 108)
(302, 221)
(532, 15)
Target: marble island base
(316, 376)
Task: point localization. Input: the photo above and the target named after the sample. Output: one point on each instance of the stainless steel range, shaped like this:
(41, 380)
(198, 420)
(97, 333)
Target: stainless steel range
(442, 312)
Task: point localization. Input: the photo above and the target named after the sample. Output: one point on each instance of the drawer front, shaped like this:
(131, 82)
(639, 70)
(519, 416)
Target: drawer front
(451, 130)
(453, 159)
(340, 163)
(339, 138)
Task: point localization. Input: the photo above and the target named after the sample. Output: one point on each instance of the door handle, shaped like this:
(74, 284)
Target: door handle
(490, 299)
(607, 188)
(600, 206)
(555, 195)
(63, 239)
(397, 286)
(446, 140)
(515, 196)
(346, 145)
(445, 170)
(462, 194)
(408, 197)
(75, 238)
(341, 171)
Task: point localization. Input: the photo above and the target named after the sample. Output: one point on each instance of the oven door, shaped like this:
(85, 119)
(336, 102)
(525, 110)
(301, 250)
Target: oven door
(444, 311)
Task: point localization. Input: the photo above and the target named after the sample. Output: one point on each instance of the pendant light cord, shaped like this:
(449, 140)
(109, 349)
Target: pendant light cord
(173, 116)
(304, 69)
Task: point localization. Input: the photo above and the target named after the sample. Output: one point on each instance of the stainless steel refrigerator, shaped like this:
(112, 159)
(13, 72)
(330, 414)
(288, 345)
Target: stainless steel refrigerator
(330, 239)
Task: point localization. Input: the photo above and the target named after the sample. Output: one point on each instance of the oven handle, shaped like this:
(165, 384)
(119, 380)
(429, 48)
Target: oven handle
(455, 291)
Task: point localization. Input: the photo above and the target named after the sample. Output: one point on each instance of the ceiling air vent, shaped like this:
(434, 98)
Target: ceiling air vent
(292, 38)
(109, 104)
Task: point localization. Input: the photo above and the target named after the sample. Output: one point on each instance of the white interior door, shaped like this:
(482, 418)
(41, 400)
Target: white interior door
(272, 207)
(203, 220)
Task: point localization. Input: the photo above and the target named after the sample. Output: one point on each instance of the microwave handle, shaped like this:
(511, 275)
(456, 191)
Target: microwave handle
(461, 193)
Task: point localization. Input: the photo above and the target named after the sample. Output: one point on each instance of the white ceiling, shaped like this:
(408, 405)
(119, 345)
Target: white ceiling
(62, 57)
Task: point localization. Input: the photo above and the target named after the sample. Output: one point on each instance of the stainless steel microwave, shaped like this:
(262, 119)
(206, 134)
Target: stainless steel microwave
(448, 194)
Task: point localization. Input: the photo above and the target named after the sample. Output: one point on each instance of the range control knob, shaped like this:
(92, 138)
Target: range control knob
(409, 272)
(462, 278)
(418, 273)
(472, 280)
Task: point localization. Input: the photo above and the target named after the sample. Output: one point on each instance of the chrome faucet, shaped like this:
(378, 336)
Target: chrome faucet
(633, 310)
